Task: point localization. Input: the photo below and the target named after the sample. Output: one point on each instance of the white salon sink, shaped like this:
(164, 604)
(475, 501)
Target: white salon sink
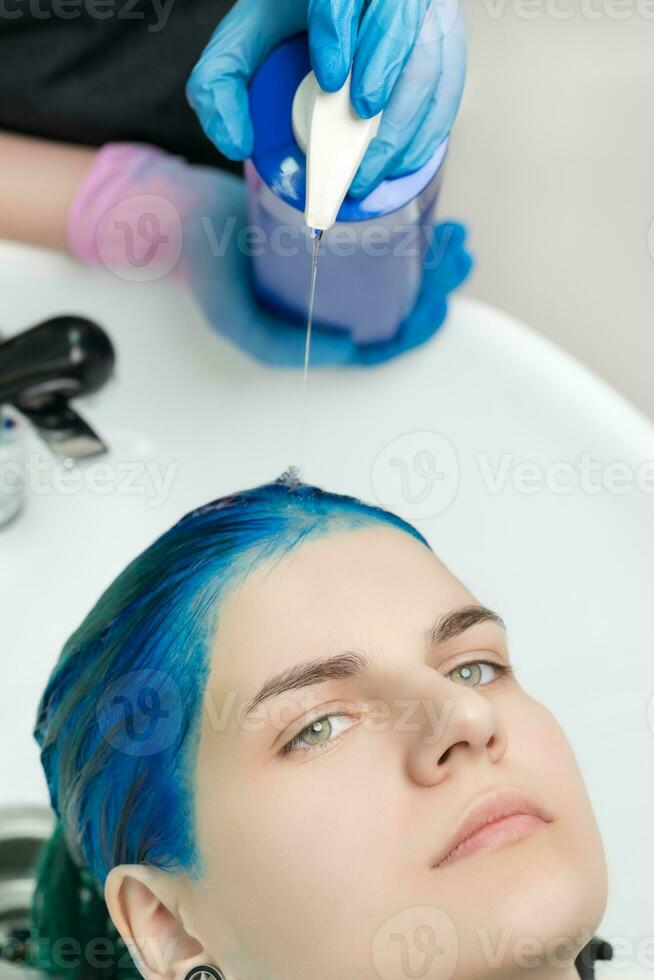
(572, 573)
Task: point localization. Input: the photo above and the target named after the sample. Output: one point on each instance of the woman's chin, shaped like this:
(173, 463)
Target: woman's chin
(530, 891)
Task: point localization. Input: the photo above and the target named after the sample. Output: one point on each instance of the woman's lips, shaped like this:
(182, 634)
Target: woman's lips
(495, 835)
(496, 819)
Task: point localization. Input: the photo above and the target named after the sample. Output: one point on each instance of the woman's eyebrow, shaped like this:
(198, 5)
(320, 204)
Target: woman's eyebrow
(312, 672)
(458, 621)
(351, 664)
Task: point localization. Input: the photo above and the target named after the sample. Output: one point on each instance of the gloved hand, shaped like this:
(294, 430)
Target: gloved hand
(146, 214)
(408, 57)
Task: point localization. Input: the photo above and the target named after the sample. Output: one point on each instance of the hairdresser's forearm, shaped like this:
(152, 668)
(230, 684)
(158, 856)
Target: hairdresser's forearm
(38, 179)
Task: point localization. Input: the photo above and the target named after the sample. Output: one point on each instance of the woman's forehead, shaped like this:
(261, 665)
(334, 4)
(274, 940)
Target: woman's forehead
(350, 589)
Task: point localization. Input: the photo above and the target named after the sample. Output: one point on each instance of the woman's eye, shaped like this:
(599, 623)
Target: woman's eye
(316, 735)
(473, 674)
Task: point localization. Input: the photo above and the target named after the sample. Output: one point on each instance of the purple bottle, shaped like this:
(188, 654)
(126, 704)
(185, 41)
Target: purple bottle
(371, 260)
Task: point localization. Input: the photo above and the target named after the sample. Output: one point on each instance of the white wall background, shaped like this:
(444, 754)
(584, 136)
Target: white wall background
(552, 167)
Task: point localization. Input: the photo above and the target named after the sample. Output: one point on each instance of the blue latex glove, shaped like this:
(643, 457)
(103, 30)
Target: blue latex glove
(408, 58)
(221, 282)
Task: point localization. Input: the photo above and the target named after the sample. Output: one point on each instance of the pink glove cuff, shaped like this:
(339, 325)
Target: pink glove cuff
(127, 211)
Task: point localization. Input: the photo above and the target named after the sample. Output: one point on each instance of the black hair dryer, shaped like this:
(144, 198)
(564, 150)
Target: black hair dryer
(43, 367)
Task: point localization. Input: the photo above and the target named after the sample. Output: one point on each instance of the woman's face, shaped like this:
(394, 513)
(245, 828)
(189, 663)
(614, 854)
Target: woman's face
(322, 845)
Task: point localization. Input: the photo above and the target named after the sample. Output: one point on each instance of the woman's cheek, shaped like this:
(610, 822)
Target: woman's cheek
(536, 738)
(539, 747)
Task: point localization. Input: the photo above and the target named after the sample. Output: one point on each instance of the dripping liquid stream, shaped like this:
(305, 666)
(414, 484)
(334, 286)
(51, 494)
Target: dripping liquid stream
(316, 237)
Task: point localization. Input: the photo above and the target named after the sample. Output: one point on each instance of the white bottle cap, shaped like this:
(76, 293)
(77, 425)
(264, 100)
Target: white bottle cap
(335, 139)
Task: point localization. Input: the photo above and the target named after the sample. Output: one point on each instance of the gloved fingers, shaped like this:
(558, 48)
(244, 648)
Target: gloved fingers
(333, 28)
(224, 111)
(443, 108)
(403, 118)
(218, 85)
(387, 37)
(428, 93)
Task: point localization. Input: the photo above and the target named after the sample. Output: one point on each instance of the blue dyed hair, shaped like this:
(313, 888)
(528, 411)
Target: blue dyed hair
(158, 620)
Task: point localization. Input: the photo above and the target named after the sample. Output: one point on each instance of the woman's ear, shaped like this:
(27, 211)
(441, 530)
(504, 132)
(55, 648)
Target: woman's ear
(144, 906)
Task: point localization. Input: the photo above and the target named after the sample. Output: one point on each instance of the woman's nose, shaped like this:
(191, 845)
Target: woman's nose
(456, 724)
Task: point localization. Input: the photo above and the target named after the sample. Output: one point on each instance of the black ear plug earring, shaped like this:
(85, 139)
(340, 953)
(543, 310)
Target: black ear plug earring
(204, 972)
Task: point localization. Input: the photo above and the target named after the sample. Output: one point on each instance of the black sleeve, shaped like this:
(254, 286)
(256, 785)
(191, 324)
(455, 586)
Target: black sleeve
(96, 71)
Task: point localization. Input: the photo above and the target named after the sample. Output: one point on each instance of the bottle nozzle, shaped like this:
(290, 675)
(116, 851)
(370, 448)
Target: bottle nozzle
(335, 140)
